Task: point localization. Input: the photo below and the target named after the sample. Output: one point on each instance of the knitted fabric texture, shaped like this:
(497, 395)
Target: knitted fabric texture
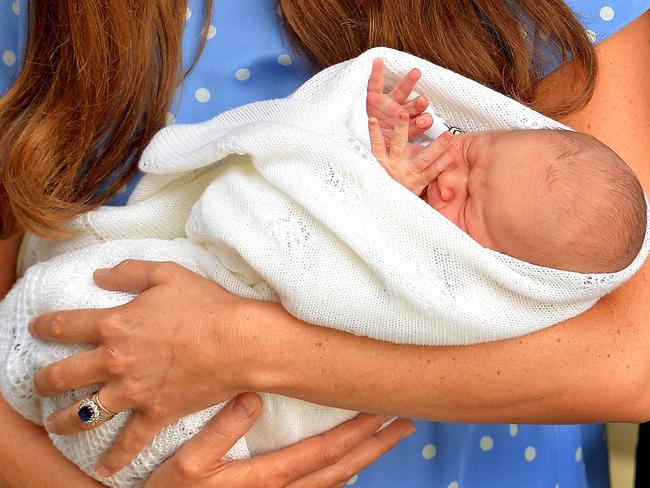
(282, 200)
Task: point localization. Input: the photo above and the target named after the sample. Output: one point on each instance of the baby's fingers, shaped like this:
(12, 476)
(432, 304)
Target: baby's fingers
(435, 160)
(399, 142)
(377, 142)
(376, 80)
(405, 86)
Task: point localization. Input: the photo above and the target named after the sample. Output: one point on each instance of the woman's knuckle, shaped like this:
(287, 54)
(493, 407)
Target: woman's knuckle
(115, 363)
(331, 454)
(166, 270)
(129, 392)
(187, 466)
(110, 327)
(58, 325)
(156, 411)
(55, 377)
(131, 445)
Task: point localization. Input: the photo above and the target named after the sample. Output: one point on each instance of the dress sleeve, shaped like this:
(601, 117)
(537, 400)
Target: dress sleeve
(12, 40)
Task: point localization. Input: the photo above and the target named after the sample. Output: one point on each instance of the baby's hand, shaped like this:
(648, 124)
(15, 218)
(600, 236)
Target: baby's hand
(409, 164)
(386, 107)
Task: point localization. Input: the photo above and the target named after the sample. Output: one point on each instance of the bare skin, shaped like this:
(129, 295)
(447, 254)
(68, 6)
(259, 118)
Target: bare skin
(557, 375)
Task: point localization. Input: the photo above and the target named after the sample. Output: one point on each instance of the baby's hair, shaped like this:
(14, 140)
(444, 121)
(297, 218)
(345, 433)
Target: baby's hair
(598, 203)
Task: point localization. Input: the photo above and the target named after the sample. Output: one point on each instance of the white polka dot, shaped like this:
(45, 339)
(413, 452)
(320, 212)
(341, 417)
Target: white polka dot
(242, 74)
(591, 35)
(486, 443)
(279, 10)
(579, 454)
(353, 480)
(284, 59)
(429, 451)
(212, 31)
(453, 484)
(122, 190)
(530, 453)
(170, 119)
(16, 7)
(607, 13)
(202, 95)
(188, 14)
(557, 485)
(9, 58)
(513, 428)
(544, 35)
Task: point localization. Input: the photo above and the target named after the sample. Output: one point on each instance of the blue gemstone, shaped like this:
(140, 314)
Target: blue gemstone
(85, 413)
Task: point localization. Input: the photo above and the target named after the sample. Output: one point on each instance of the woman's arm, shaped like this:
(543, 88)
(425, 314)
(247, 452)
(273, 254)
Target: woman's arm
(28, 456)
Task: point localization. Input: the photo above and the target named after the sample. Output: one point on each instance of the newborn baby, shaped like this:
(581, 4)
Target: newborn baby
(555, 198)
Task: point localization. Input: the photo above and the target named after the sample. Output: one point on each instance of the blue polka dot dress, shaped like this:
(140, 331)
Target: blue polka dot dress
(246, 59)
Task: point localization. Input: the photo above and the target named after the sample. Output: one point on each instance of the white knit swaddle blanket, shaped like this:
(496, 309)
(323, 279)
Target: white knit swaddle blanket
(291, 206)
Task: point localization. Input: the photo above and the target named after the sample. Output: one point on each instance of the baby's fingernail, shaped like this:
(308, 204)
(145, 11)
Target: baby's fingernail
(420, 122)
(49, 426)
(245, 405)
(101, 272)
(102, 472)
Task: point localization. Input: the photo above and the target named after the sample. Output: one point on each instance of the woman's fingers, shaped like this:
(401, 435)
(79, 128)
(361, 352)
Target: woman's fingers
(78, 326)
(136, 276)
(67, 422)
(201, 454)
(82, 369)
(318, 452)
(359, 457)
(132, 439)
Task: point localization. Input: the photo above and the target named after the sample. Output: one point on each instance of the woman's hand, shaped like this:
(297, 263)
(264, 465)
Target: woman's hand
(180, 334)
(327, 460)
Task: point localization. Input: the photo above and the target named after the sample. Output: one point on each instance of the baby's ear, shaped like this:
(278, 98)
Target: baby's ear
(446, 192)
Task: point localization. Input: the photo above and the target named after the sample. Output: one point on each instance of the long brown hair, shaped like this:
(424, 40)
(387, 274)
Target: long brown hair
(98, 79)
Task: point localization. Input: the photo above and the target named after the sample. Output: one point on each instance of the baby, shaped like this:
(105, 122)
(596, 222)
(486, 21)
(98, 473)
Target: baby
(555, 198)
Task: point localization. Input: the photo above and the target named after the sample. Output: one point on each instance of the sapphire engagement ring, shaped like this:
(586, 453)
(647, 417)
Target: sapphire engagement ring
(91, 410)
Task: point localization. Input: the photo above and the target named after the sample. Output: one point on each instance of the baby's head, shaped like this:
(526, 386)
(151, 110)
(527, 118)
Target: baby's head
(554, 198)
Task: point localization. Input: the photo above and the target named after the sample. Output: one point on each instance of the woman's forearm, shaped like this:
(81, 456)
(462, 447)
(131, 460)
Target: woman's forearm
(29, 459)
(593, 368)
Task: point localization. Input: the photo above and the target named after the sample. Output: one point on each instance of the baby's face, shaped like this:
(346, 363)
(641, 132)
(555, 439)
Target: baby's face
(491, 185)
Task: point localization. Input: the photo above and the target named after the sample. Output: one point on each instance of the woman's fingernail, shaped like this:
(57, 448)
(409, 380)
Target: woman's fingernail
(245, 405)
(102, 472)
(49, 426)
(408, 433)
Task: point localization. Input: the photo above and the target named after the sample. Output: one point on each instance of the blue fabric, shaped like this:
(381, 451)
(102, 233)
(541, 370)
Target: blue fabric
(246, 59)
